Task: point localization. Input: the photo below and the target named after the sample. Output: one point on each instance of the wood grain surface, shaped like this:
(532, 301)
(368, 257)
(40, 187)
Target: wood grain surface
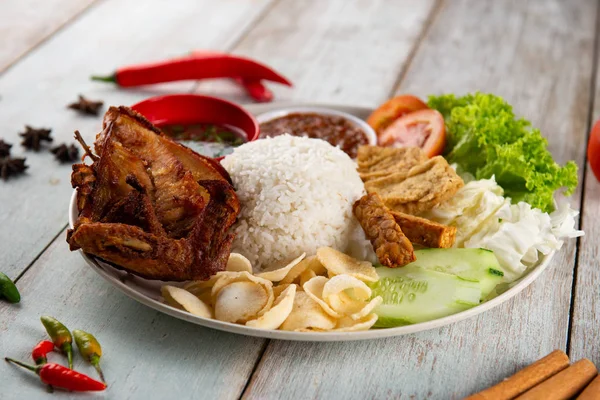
(459, 55)
(340, 52)
(584, 340)
(146, 354)
(24, 24)
(36, 92)
(537, 54)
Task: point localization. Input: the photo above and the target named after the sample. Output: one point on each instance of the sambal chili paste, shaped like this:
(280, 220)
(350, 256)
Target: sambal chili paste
(336, 130)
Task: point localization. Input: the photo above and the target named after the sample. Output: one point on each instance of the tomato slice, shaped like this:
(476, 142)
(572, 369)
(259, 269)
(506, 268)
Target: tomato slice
(593, 150)
(423, 128)
(393, 109)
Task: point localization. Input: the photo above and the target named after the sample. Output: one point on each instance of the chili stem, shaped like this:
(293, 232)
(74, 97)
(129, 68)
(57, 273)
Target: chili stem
(21, 364)
(100, 373)
(70, 357)
(104, 78)
(49, 388)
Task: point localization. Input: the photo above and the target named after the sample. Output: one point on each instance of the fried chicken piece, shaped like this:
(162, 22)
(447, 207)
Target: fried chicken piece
(116, 163)
(178, 197)
(153, 256)
(376, 162)
(139, 135)
(83, 178)
(425, 232)
(137, 210)
(150, 206)
(393, 249)
(145, 254)
(419, 189)
(210, 238)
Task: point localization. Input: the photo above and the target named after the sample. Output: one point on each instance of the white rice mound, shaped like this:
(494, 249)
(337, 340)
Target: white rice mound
(296, 195)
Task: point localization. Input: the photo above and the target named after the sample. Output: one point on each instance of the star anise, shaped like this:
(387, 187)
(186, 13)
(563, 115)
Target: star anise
(64, 153)
(4, 148)
(11, 166)
(85, 106)
(33, 137)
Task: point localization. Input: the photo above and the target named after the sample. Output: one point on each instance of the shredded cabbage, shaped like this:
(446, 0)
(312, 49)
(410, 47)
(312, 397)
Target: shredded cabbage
(516, 233)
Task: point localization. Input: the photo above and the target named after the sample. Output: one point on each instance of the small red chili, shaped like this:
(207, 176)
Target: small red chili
(40, 352)
(60, 335)
(194, 67)
(62, 377)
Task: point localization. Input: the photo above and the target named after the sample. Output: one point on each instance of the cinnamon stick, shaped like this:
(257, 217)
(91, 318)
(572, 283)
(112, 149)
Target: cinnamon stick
(526, 378)
(592, 391)
(565, 384)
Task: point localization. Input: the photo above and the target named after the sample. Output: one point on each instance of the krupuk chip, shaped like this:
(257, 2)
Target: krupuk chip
(338, 263)
(282, 307)
(307, 314)
(240, 301)
(184, 300)
(238, 263)
(279, 271)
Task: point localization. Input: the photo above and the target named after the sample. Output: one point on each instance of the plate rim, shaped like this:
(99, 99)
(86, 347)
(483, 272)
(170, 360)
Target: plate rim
(379, 333)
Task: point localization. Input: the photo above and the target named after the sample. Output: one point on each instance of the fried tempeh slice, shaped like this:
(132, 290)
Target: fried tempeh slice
(420, 189)
(425, 232)
(376, 162)
(392, 247)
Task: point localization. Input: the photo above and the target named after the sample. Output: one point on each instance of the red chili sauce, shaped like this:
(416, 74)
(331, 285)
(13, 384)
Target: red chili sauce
(336, 130)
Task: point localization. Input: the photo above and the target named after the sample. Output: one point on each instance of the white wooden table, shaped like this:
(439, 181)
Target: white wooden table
(541, 55)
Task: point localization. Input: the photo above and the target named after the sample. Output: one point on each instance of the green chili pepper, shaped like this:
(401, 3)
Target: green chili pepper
(90, 349)
(8, 290)
(60, 335)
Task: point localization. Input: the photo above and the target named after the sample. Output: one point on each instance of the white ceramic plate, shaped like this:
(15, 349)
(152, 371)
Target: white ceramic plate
(147, 292)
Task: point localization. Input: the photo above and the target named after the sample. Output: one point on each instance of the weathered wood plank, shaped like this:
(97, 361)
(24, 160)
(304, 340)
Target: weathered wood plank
(33, 208)
(146, 354)
(26, 23)
(585, 319)
(334, 51)
(528, 53)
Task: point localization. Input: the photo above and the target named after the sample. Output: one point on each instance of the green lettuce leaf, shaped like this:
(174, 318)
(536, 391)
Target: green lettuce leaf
(484, 138)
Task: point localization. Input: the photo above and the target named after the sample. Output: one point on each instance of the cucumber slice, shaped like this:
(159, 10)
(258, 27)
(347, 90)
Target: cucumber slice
(413, 294)
(475, 265)
(439, 283)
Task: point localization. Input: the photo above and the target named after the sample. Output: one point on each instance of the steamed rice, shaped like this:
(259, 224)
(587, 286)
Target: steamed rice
(296, 195)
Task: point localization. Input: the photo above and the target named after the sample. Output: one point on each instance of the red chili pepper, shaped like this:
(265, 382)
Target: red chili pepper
(62, 377)
(195, 67)
(40, 351)
(254, 88)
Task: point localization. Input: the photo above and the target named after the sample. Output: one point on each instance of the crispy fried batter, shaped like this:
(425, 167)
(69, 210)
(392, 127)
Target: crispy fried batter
(419, 189)
(84, 179)
(137, 133)
(376, 162)
(151, 206)
(425, 232)
(137, 210)
(393, 249)
(130, 248)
